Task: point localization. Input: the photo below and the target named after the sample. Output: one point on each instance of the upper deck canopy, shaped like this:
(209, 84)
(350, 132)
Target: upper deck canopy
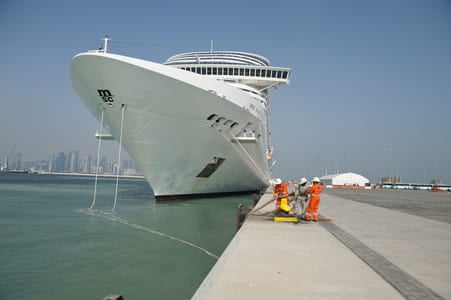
(218, 57)
(241, 67)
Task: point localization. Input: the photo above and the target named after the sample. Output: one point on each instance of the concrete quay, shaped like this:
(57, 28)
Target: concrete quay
(371, 244)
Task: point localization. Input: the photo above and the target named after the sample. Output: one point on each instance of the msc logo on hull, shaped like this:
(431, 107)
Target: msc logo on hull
(106, 96)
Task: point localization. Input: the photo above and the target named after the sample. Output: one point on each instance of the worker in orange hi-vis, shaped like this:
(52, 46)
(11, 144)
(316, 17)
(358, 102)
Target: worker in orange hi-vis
(314, 192)
(281, 194)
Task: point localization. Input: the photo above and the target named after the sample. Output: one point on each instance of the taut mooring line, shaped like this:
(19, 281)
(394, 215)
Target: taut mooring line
(123, 106)
(98, 156)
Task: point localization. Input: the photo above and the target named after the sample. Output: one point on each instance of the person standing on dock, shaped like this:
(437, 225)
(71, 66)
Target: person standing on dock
(301, 197)
(314, 192)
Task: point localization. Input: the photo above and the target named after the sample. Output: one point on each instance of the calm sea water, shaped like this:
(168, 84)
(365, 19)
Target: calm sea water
(52, 247)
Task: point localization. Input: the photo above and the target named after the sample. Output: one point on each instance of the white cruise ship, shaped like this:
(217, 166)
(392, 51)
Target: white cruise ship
(196, 125)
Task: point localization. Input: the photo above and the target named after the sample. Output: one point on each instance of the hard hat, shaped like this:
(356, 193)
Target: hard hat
(303, 180)
(278, 181)
(316, 179)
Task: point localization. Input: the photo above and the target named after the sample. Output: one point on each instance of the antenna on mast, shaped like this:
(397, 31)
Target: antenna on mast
(211, 46)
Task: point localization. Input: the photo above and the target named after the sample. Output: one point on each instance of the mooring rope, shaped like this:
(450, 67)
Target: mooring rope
(98, 158)
(253, 213)
(136, 226)
(119, 156)
(246, 154)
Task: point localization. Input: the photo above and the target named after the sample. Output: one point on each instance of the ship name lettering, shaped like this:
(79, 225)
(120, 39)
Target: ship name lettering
(106, 95)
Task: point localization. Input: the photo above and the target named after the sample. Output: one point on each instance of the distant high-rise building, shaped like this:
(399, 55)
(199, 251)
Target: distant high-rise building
(51, 166)
(60, 162)
(87, 164)
(73, 161)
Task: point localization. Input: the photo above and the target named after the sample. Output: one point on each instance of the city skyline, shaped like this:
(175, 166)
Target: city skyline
(70, 162)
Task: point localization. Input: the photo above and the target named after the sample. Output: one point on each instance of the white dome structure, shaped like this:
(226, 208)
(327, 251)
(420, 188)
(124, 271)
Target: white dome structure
(345, 180)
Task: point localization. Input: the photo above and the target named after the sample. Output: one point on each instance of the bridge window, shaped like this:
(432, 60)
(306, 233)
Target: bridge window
(241, 71)
(279, 74)
(235, 71)
(263, 73)
(204, 71)
(209, 71)
(274, 74)
(253, 72)
(225, 71)
(215, 71)
(285, 75)
(219, 71)
(246, 72)
(198, 71)
(257, 72)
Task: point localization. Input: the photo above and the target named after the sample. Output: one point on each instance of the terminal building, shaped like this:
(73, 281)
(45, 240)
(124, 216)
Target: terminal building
(345, 180)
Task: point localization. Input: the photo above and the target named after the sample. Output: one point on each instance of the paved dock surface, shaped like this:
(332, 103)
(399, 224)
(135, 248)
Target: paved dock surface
(371, 244)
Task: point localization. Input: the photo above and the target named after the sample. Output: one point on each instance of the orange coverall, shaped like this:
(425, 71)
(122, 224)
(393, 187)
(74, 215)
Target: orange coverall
(280, 190)
(313, 205)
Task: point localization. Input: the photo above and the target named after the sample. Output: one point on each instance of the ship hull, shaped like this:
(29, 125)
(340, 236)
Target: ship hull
(184, 131)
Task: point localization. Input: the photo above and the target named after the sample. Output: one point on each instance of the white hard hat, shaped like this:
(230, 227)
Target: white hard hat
(316, 179)
(303, 180)
(278, 181)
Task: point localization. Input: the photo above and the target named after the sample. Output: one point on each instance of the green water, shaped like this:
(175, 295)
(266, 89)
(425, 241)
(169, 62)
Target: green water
(52, 247)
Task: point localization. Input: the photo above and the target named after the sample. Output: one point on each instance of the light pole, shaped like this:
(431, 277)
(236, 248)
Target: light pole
(389, 163)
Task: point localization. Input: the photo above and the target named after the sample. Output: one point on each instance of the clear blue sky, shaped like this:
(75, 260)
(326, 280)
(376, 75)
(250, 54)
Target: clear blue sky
(367, 75)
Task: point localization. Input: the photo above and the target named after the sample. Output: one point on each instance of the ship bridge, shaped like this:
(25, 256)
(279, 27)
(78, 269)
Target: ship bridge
(231, 66)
